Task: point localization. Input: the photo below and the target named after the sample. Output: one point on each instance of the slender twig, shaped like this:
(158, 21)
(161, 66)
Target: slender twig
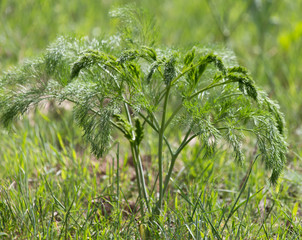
(155, 128)
(160, 147)
(118, 185)
(179, 107)
(138, 159)
(141, 172)
(209, 87)
(138, 179)
(185, 141)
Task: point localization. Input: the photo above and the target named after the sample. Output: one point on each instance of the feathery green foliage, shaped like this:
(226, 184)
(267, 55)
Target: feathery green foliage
(205, 96)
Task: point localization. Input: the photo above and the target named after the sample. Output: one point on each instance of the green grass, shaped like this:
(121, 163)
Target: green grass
(51, 187)
(50, 191)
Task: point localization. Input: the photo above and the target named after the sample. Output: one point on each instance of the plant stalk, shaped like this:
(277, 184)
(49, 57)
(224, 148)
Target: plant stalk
(160, 148)
(137, 180)
(141, 175)
(139, 167)
(174, 157)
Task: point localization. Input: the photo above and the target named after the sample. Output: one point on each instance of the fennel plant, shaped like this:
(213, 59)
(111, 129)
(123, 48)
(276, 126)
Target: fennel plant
(204, 94)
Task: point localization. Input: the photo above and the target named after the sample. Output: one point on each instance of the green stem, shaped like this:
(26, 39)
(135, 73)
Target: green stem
(187, 70)
(141, 175)
(209, 87)
(137, 160)
(184, 143)
(155, 128)
(129, 119)
(135, 153)
(118, 186)
(179, 107)
(164, 125)
(160, 148)
(137, 179)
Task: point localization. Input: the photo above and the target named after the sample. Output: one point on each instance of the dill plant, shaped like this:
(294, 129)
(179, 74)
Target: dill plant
(127, 88)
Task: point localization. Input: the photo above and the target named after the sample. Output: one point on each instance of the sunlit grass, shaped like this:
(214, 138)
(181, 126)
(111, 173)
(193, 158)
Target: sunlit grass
(51, 187)
(53, 191)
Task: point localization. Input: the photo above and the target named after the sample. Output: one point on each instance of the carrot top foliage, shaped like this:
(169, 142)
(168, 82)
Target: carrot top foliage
(204, 93)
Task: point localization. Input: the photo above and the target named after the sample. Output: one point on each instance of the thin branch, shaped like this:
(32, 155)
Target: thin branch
(185, 141)
(209, 87)
(157, 131)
